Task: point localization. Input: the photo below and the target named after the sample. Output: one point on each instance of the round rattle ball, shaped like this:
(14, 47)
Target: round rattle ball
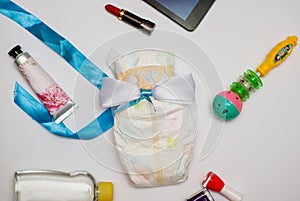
(227, 105)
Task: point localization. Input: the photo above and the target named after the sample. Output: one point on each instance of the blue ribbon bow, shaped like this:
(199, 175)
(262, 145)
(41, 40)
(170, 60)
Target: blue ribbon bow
(144, 95)
(74, 57)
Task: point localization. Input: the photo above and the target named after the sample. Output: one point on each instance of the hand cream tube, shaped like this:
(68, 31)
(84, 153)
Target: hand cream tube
(52, 96)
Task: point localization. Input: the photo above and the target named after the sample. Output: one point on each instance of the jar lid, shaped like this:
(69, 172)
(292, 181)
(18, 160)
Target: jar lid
(105, 191)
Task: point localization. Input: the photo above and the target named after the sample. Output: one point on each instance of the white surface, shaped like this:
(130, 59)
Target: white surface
(258, 153)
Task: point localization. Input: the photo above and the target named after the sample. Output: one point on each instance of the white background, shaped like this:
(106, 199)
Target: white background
(257, 154)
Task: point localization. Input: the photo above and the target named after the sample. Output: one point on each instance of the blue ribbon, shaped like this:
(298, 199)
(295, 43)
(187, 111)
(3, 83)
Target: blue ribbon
(74, 57)
(145, 95)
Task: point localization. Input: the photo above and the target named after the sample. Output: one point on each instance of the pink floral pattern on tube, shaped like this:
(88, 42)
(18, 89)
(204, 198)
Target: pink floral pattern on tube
(53, 98)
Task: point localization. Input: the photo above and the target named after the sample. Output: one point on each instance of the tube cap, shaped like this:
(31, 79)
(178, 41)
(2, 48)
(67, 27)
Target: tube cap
(14, 52)
(105, 191)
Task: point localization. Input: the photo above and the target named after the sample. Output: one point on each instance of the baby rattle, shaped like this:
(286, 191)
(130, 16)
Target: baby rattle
(228, 104)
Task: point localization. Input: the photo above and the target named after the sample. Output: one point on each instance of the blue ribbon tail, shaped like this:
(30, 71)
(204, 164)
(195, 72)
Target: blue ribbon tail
(55, 41)
(74, 57)
(38, 112)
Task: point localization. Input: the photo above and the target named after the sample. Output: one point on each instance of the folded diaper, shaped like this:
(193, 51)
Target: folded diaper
(154, 138)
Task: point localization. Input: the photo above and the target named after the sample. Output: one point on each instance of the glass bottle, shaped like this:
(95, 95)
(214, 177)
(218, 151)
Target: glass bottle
(44, 185)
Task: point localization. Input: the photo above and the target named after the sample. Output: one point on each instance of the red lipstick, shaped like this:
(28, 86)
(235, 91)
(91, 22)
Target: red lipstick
(113, 10)
(130, 18)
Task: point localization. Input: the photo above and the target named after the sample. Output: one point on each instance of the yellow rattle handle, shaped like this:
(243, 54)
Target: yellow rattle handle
(277, 55)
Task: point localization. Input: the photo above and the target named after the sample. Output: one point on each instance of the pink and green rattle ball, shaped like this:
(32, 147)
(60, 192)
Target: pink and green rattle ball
(228, 104)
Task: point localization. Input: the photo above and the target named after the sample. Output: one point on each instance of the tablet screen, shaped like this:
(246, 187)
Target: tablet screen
(181, 8)
(187, 13)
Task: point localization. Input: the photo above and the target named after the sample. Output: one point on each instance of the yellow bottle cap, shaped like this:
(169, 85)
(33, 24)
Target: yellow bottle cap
(105, 191)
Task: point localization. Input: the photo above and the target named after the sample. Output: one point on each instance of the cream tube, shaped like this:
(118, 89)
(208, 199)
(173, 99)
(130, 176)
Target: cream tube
(52, 96)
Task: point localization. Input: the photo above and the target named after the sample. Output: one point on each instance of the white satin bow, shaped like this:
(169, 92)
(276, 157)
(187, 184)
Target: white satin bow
(178, 89)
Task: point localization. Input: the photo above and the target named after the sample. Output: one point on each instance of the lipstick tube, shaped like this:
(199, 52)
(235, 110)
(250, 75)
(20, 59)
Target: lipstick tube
(52, 96)
(144, 25)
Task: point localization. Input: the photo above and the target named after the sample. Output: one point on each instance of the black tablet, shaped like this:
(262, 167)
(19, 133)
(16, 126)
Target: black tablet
(187, 13)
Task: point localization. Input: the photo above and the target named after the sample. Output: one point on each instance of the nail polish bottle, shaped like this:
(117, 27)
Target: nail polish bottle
(203, 195)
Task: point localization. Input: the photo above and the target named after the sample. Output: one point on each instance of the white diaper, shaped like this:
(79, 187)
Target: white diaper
(154, 140)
